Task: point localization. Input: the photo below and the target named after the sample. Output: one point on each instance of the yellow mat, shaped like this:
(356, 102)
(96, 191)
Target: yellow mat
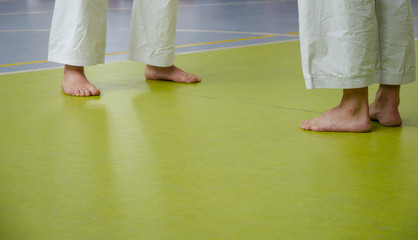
(223, 159)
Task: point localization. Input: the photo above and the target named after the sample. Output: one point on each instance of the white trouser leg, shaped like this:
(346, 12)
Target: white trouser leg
(395, 57)
(78, 32)
(153, 32)
(337, 40)
(350, 43)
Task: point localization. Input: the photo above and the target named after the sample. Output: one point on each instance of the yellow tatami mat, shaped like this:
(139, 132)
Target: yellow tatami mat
(222, 159)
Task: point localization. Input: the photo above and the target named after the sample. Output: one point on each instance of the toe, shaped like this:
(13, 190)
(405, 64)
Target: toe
(69, 91)
(196, 79)
(76, 92)
(193, 79)
(95, 92)
(305, 125)
(86, 92)
(82, 92)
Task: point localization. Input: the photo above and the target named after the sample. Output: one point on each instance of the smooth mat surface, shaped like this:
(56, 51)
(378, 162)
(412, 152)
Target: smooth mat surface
(223, 159)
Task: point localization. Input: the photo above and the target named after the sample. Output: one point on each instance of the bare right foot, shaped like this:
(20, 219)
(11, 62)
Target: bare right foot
(75, 82)
(352, 115)
(171, 73)
(384, 109)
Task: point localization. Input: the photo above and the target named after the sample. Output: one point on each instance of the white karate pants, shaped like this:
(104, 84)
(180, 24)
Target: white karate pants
(349, 44)
(78, 32)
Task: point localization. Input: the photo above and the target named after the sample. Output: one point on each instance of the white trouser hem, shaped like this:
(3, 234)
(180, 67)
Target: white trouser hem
(76, 61)
(337, 82)
(386, 78)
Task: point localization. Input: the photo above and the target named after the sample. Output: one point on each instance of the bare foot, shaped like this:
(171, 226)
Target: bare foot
(75, 82)
(384, 109)
(172, 73)
(352, 115)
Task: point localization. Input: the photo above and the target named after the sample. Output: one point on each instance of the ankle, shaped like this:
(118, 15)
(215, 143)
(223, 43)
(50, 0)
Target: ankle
(388, 94)
(355, 100)
(70, 68)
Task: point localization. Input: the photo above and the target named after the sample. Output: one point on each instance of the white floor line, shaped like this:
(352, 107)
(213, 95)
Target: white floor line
(220, 31)
(178, 30)
(31, 70)
(234, 32)
(217, 4)
(25, 30)
(25, 13)
(182, 53)
(180, 5)
(242, 46)
(234, 3)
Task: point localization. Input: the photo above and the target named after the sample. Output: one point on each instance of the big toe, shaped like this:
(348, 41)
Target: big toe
(69, 91)
(94, 92)
(192, 79)
(305, 125)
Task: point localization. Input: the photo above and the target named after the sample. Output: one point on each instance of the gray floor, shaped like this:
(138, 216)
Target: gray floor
(24, 27)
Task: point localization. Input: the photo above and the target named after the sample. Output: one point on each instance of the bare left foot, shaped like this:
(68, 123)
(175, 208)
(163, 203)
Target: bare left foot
(75, 82)
(172, 73)
(352, 115)
(384, 109)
